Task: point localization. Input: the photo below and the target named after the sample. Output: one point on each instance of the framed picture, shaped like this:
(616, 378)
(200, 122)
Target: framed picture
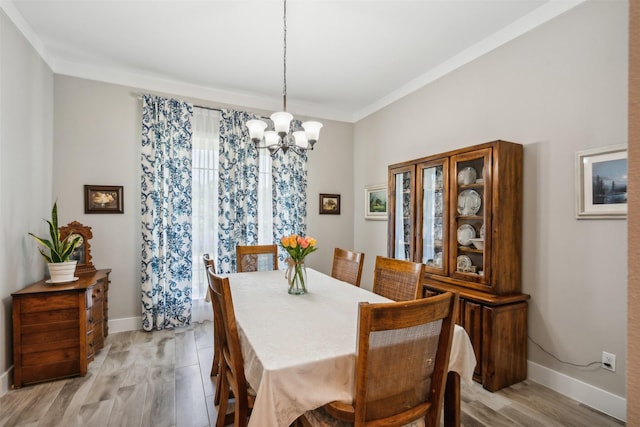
(103, 199)
(330, 204)
(375, 202)
(601, 183)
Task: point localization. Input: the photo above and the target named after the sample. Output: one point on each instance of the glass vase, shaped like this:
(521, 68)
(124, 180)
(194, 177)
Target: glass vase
(297, 277)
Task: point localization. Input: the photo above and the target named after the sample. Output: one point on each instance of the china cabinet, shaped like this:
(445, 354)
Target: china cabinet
(59, 328)
(460, 214)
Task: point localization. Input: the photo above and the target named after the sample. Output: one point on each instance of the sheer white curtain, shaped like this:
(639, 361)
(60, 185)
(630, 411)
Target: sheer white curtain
(206, 132)
(265, 200)
(206, 140)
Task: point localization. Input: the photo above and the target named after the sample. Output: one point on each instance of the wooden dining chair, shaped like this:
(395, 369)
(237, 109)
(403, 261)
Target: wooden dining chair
(397, 279)
(231, 371)
(248, 257)
(401, 368)
(217, 329)
(347, 266)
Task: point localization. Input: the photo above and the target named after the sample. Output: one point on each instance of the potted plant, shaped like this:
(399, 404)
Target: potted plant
(59, 250)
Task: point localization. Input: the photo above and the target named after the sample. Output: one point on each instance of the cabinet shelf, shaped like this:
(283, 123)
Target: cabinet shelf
(470, 249)
(473, 186)
(471, 217)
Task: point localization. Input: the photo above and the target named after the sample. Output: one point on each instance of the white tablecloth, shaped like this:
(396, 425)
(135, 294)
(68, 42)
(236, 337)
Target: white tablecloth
(299, 350)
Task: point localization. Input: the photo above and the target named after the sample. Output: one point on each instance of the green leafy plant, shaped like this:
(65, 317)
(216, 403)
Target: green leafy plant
(59, 249)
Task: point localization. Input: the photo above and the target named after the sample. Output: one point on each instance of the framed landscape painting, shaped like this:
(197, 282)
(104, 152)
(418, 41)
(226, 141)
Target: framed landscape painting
(601, 183)
(103, 199)
(330, 204)
(375, 202)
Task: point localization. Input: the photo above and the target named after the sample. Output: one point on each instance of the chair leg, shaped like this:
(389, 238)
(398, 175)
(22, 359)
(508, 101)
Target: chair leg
(241, 415)
(223, 387)
(216, 362)
(216, 397)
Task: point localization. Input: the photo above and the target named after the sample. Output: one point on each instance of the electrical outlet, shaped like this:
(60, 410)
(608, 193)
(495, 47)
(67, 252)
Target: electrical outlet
(609, 361)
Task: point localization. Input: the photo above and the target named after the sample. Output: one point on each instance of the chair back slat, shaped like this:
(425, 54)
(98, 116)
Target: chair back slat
(398, 280)
(256, 257)
(347, 266)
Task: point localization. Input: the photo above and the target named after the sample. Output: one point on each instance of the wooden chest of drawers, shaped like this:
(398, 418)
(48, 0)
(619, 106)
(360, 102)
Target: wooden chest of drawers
(57, 329)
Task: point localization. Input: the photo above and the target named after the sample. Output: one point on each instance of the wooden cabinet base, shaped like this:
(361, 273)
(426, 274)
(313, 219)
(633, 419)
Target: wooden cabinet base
(57, 329)
(497, 328)
(504, 345)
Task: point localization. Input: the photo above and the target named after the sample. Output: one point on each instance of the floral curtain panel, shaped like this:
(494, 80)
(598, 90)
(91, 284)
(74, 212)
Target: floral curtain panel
(166, 213)
(237, 188)
(289, 172)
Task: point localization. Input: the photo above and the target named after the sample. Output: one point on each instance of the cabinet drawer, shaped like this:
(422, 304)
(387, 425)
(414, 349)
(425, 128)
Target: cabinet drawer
(49, 317)
(96, 292)
(47, 303)
(40, 373)
(89, 319)
(51, 346)
(40, 334)
(98, 332)
(91, 347)
(47, 356)
(96, 313)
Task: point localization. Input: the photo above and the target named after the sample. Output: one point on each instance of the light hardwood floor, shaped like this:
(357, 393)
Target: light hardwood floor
(161, 378)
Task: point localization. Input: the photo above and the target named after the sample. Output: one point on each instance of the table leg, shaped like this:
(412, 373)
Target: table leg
(452, 400)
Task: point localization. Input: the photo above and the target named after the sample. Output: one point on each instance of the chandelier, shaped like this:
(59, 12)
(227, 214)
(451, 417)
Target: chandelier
(280, 137)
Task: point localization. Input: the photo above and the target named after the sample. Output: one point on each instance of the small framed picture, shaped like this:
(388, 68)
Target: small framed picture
(375, 202)
(103, 199)
(329, 204)
(601, 183)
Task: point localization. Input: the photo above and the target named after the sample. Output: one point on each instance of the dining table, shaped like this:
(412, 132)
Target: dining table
(299, 350)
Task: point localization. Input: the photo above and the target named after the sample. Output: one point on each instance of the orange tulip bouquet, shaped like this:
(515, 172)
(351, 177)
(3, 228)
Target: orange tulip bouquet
(298, 247)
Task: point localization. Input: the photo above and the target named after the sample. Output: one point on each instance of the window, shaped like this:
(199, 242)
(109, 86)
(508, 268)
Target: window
(206, 138)
(205, 127)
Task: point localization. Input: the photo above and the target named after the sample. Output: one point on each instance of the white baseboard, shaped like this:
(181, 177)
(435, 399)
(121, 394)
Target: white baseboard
(587, 394)
(125, 324)
(5, 380)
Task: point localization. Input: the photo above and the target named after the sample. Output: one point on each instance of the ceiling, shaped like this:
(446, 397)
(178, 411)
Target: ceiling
(345, 59)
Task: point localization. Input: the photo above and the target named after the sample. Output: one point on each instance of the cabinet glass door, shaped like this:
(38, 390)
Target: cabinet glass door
(471, 207)
(401, 194)
(432, 224)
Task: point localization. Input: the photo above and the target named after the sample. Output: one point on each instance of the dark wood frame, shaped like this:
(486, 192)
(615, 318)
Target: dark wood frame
(83, 252)
(114, 191)
(327, 210)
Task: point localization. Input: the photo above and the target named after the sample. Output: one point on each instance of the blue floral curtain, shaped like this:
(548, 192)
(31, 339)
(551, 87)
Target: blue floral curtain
(166, 213)
(237, 188)
(289, 172)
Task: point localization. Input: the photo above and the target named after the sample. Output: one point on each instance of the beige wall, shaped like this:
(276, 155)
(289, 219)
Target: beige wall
(633, 334)
(26, 101)
(558, 89)
(97, 137)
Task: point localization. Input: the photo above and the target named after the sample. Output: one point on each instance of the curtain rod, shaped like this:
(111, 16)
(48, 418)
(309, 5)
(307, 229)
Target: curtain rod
(140, 95)
(208, 108)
